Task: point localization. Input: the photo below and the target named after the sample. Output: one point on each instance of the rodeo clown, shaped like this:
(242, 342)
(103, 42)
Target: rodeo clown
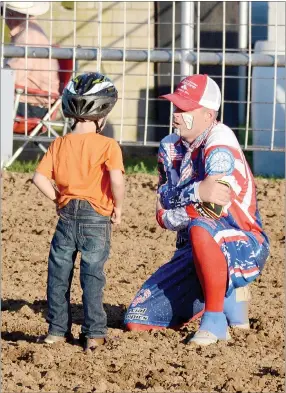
(207, 194)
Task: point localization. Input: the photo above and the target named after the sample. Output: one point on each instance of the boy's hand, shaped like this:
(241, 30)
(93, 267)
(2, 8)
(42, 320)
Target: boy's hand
(212, 191)
(116, 216)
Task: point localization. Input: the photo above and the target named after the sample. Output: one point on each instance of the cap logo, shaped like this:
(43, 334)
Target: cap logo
(191, 84)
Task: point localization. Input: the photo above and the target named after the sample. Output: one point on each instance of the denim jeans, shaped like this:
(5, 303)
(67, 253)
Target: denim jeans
(80, 228)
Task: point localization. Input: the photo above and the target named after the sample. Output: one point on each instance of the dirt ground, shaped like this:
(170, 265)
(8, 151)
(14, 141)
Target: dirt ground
(130, 362)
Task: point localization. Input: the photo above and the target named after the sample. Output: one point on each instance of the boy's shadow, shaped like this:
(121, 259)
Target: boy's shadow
(115, 316)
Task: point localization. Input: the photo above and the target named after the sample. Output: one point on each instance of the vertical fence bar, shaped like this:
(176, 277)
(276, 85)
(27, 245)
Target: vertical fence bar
(3, 34)
(148, 75)
(187, 36)
(198, 35)
(275, 79)
(173, 61)
(223, 61)
(249, 75)
(26, 74)
(99, 34)
(74, 40)
(242, 44)
(50, 65)
(123, 74)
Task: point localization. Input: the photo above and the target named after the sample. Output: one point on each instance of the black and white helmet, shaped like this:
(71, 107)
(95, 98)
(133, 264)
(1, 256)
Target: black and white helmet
(89, 97)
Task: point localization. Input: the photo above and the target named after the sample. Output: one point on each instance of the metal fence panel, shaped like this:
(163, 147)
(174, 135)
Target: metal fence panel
(125, 41)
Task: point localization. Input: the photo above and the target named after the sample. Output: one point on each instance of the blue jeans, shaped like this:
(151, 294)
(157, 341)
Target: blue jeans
(80, 228)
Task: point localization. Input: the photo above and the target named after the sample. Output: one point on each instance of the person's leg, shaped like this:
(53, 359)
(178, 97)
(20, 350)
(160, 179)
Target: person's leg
(170, 298)
(60, 273)
(33, 111)
(211, 268)
(94, 244)
(244, 257)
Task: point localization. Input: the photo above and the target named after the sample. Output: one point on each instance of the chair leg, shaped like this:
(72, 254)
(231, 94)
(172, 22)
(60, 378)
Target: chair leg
(33, 133)
(41, 146)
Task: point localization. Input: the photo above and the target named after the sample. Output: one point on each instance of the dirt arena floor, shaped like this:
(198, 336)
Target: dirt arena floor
(130, 362)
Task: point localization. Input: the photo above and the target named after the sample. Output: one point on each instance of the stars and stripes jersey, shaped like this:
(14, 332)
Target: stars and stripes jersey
(217, 151)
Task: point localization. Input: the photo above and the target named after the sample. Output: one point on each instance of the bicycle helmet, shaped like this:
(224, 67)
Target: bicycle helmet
(89, 97)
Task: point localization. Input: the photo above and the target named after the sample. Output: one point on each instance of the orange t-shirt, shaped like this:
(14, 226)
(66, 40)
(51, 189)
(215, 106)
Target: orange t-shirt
(80, 164)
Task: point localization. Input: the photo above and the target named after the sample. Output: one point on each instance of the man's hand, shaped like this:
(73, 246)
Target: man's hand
(212, 191)
(116, 216)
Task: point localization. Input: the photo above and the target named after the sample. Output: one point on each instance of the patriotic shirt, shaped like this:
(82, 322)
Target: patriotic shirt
(215, 151)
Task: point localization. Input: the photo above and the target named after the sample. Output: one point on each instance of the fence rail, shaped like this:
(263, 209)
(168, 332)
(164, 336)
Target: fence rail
(147, 47)
(156, 56)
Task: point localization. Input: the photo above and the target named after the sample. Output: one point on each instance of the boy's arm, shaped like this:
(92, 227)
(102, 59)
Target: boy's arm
(117, 189)
(45, 186)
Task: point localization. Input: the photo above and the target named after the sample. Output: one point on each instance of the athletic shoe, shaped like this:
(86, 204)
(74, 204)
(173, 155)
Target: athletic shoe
(92, 343)
(213, 327)
(51, 339)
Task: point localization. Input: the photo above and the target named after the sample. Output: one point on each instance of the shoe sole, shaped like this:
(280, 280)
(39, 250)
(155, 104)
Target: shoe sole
(244, 326)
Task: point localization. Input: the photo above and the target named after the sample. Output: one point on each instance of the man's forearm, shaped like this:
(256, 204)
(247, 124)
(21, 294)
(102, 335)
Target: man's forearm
(174, 219)
(176, 197)
(45, 186)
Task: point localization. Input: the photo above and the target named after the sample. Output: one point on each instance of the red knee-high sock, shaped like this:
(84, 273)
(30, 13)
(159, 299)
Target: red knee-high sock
(211, 268)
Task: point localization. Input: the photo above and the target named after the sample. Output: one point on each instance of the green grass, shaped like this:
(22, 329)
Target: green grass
(140, 165)
(23, 166)
(132, 166)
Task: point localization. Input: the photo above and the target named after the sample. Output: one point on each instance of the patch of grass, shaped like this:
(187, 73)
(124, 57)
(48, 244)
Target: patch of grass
(270, 177)
(132, 165)
(140, 165)
(23, 166)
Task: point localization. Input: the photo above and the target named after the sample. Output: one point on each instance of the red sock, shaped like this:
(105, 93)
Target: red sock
(211, 268)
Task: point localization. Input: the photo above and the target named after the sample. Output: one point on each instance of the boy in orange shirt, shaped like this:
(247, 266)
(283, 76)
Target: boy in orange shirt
(82, 172)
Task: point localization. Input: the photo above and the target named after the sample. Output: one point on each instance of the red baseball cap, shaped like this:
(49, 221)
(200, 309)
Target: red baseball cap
(195, 92)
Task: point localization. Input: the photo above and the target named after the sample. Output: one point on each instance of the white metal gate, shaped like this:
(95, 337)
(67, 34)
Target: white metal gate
(121, 40)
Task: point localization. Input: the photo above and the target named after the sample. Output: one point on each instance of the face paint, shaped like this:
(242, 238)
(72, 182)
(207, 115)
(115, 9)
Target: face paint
(188, 119)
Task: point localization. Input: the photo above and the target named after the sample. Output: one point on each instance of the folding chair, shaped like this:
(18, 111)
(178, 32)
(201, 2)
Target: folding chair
(36, 126)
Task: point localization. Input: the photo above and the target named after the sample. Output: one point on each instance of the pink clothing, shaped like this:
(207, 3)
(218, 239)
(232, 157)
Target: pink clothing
(38, 70)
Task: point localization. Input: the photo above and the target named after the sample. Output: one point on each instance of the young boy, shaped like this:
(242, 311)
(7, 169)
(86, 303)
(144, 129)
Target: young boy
(82, 172)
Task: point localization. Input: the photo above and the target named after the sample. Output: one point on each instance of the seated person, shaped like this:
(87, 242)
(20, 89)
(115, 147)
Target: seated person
(41, 74)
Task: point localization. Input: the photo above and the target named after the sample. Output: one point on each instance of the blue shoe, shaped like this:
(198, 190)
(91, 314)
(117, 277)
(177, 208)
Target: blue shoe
(236, 308)
(213, 327)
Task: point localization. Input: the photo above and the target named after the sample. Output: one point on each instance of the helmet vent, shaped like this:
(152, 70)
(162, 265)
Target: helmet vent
(89, 106)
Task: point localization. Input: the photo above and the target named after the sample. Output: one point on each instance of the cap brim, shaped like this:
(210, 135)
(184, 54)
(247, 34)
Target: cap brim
(185, 104)
(36, 10)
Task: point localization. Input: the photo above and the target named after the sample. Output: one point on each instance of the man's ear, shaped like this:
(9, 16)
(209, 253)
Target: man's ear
(208, 114)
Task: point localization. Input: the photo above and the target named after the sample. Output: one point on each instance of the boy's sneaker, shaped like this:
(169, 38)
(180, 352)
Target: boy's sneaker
(51, 339)
(213, 327)
(236, 308)
(92, 343)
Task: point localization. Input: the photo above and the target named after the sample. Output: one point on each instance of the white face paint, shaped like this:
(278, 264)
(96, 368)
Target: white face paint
(188, 119)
